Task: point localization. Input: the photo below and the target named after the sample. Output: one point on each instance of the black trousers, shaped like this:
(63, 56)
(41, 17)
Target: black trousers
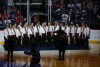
(6, 44)
(49, 38)
(77, 39)
(82, 40)
(6, 41)
(31, 40)
(55, 41)
(38, 38)
(19, 41)
(71, 39)
(61, 54)
(25, 40)
(43, 38)
(67, 40)
(11, 44)
(87, 42)
(62, 47)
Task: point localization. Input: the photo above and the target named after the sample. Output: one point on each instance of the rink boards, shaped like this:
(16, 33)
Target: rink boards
(94, 37)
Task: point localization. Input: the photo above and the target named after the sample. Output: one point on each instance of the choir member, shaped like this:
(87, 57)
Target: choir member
(31, 34)
(24, 35)
(11, 41)
(6, 37)
(37, 33)
(72, 33)
(67, 30)
(49, 32)
(87, 36)
(42, 31)
(81, 35)
(77, 34)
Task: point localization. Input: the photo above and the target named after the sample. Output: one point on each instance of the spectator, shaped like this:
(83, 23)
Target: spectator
(4, 15)
(18, 17)
(95, 8)
(12, 16)
(71, 5)
(79, 5)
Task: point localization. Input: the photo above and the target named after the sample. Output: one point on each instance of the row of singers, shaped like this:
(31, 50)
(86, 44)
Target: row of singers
(26, 30)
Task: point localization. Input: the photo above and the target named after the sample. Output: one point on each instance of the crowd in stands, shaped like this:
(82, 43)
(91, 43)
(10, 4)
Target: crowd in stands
(76, 11)
(11, 15)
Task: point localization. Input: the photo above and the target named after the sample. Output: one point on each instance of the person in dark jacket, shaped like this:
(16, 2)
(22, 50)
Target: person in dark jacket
(34, 51)
(61, 42)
